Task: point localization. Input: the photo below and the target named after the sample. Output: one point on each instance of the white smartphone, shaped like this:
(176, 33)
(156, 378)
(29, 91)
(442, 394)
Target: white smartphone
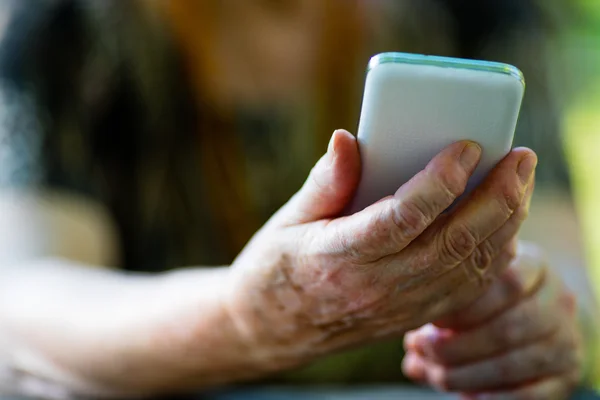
(415, 105)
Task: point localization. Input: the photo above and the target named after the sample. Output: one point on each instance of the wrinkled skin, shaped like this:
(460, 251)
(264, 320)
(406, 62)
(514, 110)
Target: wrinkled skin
(311, 282)
(520, 340)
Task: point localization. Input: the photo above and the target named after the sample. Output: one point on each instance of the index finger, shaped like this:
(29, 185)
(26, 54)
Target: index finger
(482, 213)
(391, 224)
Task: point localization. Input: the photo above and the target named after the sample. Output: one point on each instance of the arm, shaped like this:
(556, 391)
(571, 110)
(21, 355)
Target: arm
(66, 327)
(305, 286)
(95, 332)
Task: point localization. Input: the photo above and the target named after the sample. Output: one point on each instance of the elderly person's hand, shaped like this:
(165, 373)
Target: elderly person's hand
(310, 283)
(520, 340)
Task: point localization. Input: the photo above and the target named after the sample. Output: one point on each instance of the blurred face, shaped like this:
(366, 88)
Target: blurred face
(257, 51)
(267, 50)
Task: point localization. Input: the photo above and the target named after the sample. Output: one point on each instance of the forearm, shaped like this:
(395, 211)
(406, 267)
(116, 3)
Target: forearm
(68, 329)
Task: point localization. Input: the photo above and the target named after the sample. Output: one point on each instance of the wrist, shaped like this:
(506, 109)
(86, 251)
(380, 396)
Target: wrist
(269, 312)
(262, 326)
(194, 323)
(187, 326)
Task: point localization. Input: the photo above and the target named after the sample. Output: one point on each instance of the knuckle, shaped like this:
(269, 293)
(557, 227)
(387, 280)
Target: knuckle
(483, 255)
(355, 254)
(350, 248)
(510, 251)
(410, 219)
(521, 213)
(452, 183)
(457, 244)
(512, 197)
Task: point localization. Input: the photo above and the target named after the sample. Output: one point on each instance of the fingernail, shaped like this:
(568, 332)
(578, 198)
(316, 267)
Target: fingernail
(470, 155)
(528, 277)
(413, 367)
(530, 189)
(410, 341)
(430, 341)
(526, 167)
(331, 147)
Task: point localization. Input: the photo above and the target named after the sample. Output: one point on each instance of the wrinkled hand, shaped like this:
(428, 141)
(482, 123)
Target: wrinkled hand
(310, 283)
(520, 340)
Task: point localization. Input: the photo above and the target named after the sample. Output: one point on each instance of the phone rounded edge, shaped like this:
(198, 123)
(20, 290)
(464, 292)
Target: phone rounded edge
(446, 62)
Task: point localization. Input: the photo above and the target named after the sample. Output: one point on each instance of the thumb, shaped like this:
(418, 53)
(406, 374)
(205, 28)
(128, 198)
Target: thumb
(330, 185)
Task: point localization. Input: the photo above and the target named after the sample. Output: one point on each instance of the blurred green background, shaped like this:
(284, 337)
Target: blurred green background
(582, 127)
(582, 124)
